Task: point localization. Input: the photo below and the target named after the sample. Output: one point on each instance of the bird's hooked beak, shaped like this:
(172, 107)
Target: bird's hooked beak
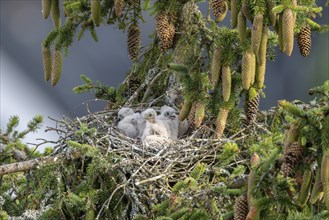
(173, 115)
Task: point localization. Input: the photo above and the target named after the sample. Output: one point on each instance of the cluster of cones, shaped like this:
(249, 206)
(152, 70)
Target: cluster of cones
(254, 58)
(52, 64)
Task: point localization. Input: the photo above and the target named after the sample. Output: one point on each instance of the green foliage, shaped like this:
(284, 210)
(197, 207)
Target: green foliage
(96, 182)
(101, 91)
(12, 148)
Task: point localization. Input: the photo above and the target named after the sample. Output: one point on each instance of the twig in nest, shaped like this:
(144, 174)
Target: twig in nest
(148, 89)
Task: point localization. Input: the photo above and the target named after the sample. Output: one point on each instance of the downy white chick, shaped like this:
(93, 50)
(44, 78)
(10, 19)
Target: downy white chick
(170, 118)
(140, 124)
(129, 126)
(124, 111)
(153, 125)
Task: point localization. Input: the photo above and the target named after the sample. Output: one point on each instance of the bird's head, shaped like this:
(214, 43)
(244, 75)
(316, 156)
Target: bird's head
(149, 114)
(168, 112)
(125, 112)
(132, 119)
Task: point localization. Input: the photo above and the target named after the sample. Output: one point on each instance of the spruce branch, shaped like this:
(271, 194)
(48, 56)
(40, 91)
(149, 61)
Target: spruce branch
(36, 163)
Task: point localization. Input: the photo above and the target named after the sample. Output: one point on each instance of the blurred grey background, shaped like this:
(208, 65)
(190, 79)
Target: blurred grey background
(24, 92)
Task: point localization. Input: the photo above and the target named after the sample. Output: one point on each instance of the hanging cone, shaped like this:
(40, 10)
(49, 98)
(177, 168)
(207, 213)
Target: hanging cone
(260, 74)
(56, 69)
(221, 121)
(118, 7)
(191, 116)
(219, 9)
(133, 85)
(261, 56)
(185, 110)
(46, 59)
(215, 67)
(271, 15)
(253, 68)
(242, 27)
(55, 14)
(261, 60)
(305, 188)
(325, 177)
(291, 156)
(304, 41)
(256, 32)
(246, 11)
(248, 69)
(226, 82)
(165, 31)
(254, 162)
(241, 207)
(279, 32)
(317, 188)
(134, 41)
(234, 13)
(46, 5)
(288, 24)
(95, 7)
(200, 108)
(251, 108)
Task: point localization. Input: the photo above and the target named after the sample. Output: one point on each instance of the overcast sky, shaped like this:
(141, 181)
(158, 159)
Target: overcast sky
(24, 92)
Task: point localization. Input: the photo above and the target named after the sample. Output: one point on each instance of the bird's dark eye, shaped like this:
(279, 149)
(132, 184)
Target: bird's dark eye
(167, 113)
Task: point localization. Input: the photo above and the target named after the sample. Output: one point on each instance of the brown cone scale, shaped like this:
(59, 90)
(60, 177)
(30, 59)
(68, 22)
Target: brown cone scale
(241, 208)
(251, 109)
(134, 41)
(219, 9)
(165, 31)
(304, 41)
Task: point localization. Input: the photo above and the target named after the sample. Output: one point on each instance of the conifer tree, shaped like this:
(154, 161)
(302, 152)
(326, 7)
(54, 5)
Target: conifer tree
(95, 172)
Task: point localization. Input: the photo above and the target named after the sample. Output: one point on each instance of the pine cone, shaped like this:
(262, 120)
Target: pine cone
(165, 31)
(256, 32)
(199, 113)
(118, 7)
(271, 15)
(46, 5)
(291, 157)
(46, 59)
(221, 121)
(261, 60)
(95, 8)
(288, 24)
(245, 9)
(55, 14)
(234, 13)
(215, 67)
(56, 69)
(304, 41)
(226, 82)
(242, 27)
(133, 85)
(241, 208)
(191, 115)
(185, 110)
(251, 109)
(260, 75)
(219, 9)
(248, 69)
(134, 41)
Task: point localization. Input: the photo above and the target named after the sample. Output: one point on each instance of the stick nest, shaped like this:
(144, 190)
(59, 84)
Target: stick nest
(147, 175)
